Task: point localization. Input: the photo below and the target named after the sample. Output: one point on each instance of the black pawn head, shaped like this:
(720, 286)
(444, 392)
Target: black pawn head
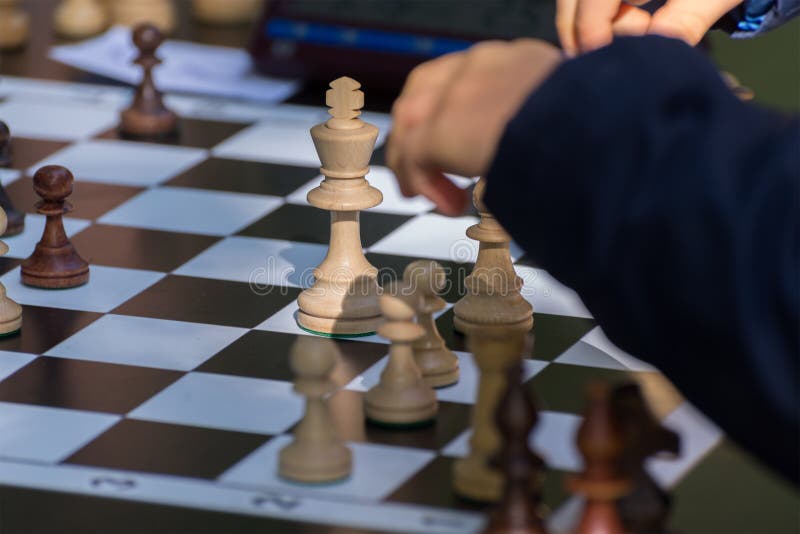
(53, 182)
(147, 38)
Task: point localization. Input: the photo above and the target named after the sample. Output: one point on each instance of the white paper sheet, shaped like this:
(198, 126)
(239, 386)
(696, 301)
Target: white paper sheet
(188, 67)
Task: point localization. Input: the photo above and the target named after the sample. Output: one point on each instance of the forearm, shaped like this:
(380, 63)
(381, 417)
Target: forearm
(636, 178)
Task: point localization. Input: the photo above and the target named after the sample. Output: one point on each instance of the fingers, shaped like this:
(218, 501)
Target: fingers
(631, 21)
(422, 177)
(593, 23)
(415, 106)
(565, 25)
(689, 20)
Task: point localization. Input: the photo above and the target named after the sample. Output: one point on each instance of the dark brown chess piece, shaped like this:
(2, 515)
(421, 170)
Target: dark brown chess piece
(54, 263)
(16, 219)
(519, 511)
(601, 445)
(148, 116)
(646, 508)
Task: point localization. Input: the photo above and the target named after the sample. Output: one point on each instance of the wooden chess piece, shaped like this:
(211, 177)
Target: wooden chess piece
(159, 13)
(10, 311)
(147, 115)
(54, 263)
(601, 445)
(494, 351)
(401, 397)
(438, 364)
(14, 25)
(77, 19)
(344, 297)
(316, 454)
(519, 511)
(16, 219)
(226, 13)
(646, 507)
(493, 288)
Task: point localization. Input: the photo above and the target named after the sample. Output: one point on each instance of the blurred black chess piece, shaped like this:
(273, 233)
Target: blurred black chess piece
(16, 219)
(646, 507)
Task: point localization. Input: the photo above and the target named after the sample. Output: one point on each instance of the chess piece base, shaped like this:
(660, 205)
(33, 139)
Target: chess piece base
(438, 370)
(474, 480)
(136, 124)
(409, 407)
(464, 326)
(55, 269)
(338, 327)
(317, 465)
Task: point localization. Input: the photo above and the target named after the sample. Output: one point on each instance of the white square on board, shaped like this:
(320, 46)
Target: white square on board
(548, 295)
(377, 470)
(147, 342)
(45, 434)
(225, 402)
(124, 162)
(108, 287)
(434, 236)
(56, 122)
(193, 211)
(258, 261)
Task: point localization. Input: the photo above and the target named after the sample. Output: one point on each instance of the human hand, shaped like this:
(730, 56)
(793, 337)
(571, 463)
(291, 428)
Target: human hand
(585, 25)
(452, 112)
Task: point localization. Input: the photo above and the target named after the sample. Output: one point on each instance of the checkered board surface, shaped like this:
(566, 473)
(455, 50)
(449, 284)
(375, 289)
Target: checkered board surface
(164, 384)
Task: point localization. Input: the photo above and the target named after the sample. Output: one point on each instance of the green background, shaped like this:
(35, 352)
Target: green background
(769, 64)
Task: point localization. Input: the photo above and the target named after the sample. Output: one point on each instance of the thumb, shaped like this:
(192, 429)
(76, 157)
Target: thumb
(689, 20)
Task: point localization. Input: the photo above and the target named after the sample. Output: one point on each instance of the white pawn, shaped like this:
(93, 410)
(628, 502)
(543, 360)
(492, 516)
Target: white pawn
(76, 19)
(159, 13)
(14, 25)
(401, 397)
(10, 311)
(316, 454)
(438, 364)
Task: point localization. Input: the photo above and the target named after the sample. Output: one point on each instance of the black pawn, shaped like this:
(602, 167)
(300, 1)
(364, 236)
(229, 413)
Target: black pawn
(519, 509)
(147, 116)
(16, 219)
(54, 263)
(646, 508)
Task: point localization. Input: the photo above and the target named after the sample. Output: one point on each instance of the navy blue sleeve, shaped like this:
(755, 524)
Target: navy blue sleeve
(635, 177)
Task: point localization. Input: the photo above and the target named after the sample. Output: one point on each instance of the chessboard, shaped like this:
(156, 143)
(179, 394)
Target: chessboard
(157, 396)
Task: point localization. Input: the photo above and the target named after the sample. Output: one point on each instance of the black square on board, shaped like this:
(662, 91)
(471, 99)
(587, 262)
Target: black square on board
(261, 354)
(197, 133)
(346, 408)
(84, 385)
(553, 334)
(294, 222)
(391, 267)
(25, 152)
(240, 176)
(562, 387)
(139, 248)
(167, 449)
(44, 328)
(90, 199)
(208, 301)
